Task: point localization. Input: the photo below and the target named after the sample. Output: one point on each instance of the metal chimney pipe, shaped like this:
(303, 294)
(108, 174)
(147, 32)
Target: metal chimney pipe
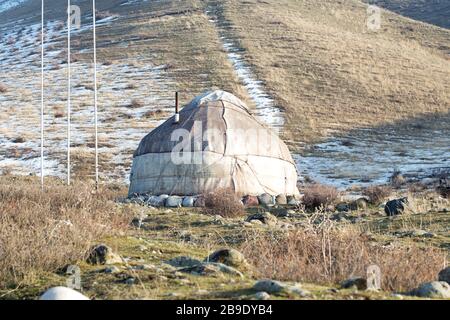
(177, 109)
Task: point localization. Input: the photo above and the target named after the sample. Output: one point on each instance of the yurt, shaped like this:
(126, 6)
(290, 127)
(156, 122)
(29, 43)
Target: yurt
(214, 142)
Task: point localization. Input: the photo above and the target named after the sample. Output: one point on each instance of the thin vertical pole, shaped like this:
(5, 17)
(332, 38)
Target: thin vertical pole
(42, 95)
(69, 25)
(95, 95)
(177, 108)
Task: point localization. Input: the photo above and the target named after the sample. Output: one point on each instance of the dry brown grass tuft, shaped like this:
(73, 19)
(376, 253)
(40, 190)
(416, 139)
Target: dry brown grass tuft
(136, 103)
(319, 196)
(326, 254)
(44, 231)
(377, 194)
(223, 202)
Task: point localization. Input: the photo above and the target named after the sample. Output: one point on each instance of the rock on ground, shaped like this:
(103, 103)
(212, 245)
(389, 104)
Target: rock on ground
(444, 275)
(188, 202)
(102, 254)
(250, 201)
(62, 293)
(183, 262)
(174, 202)
(395, 207)
(229, 257)
(266, 218)
(277, 287)
(281, 199)
(266, 199)
(357, 282)
(435, 289)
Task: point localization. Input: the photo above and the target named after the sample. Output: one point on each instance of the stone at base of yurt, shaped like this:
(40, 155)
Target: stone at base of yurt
(250, 201)
(188, 202)
(266, 199)
(174, 202)
(281, 199)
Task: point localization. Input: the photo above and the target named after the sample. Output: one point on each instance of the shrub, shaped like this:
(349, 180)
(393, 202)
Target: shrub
(223, 202)
(44, 231)
(397, 179)
(318, 195)
(377, 194)
(327, 254)
(136, 103)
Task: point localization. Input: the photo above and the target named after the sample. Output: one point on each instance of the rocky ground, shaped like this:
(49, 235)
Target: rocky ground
(182, 253)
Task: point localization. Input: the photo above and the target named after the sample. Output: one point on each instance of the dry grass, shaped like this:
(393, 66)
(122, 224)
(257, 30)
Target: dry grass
(327, 254)
(377, 194)
(319, 196)
(43, 231)
(329, 72)
(223, 202)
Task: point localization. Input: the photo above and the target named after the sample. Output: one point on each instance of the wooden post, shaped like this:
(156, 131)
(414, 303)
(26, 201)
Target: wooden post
(177, 108)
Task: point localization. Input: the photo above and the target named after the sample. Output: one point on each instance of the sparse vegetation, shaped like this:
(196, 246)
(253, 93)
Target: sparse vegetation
(223, 202)
(41, 231)
(319, 196)
(327, 253)
(377, 194)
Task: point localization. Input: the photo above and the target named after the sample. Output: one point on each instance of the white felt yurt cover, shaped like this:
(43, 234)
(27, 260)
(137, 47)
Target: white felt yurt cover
(217, 143)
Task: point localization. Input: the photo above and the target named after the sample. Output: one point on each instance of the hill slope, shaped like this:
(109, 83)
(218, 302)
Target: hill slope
(314, 60)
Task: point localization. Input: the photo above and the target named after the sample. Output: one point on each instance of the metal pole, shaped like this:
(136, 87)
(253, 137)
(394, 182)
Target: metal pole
(42, 95)
(69, 25)
(177, 109)
(95, 95)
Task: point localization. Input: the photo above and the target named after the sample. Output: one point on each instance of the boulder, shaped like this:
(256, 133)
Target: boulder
(250, 201)
(266, 218)
(188, 202)
(395, 207)
(277, 287)
(157, 201)
(183, 262)
(444, 275)
(62, 293)
(102, 254)
(355, 282)
(292, 201)
(435, 289)
(266, 199)
(212, 269)
(174, 202)
(281, 199)
(343, 207)
(229, 257)
(262, 296)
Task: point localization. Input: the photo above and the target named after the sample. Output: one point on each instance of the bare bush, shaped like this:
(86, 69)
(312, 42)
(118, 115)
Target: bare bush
(44, 231)
(319, 196)
(326, 254)
(397, 179)
(136, 103)
(223, 202)
(377, 194)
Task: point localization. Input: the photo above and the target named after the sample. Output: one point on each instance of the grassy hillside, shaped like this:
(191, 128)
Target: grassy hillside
(329, 72)
(317, 59)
